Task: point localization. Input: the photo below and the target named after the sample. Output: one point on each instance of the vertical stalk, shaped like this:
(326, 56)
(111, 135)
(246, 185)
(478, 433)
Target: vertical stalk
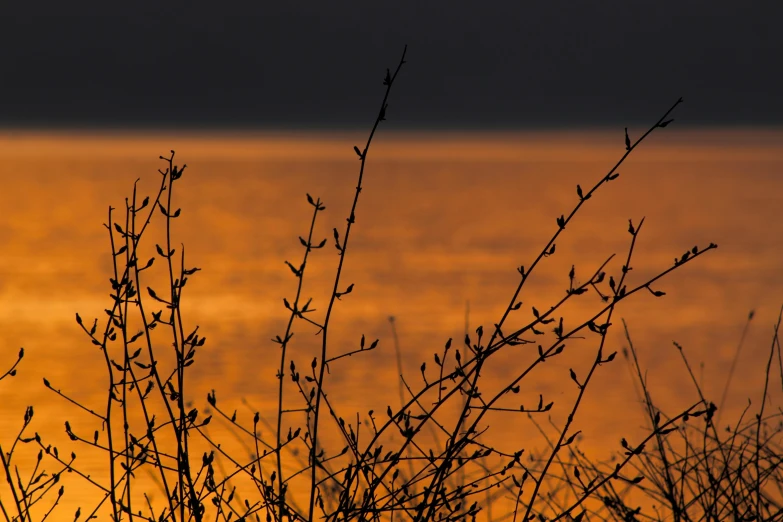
(389, 81)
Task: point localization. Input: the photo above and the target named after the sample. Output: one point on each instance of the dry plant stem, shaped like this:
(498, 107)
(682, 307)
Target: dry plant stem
(398, 356)
(592, 475)
(102, 344)
(724, 455)
(760, 415)
(671, 495)
(177, 333)
(135, 239)
(257, 439)
(401, 382)
(563, 221)
(7, 469)
(733, 366)
(630, 455)
(126, 360)
(123, 294)
(780, 362)
(678, 508)
(468, 370)
(110, 394)
(670, 486)
(723, 478)
(129, 225)
(12, 370)
(583, 386)
(185, 482)
(25, 493)
(344, 246)
(132, 262)
(568, 219)
(295, 312)
(553, 450)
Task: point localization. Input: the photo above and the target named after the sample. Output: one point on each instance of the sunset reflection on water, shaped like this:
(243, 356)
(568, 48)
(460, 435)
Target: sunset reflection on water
(442, 223)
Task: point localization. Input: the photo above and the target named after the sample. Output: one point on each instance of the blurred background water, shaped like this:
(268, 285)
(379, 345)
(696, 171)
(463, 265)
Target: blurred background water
(442, 223)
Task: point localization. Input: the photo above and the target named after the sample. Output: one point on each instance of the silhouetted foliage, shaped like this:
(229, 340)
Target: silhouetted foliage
(387, 466)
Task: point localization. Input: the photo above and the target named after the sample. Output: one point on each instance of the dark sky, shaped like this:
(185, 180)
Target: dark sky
(471, 64)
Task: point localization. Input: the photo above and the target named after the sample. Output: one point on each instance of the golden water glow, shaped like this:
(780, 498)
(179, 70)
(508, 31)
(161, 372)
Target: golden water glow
(442, 221)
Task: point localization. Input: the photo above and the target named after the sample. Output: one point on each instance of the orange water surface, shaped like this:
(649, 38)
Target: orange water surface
(443, 222)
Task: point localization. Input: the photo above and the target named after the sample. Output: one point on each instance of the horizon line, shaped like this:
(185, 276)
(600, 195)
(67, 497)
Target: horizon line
(342, 131)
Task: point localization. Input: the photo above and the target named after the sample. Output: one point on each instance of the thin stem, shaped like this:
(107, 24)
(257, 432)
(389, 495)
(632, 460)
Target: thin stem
(325, 332)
